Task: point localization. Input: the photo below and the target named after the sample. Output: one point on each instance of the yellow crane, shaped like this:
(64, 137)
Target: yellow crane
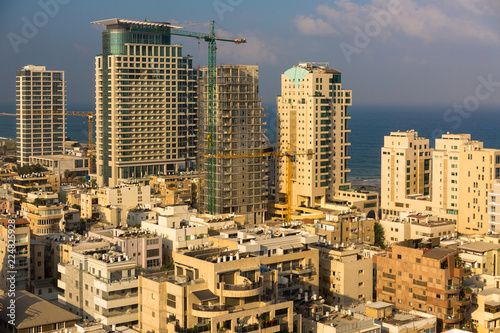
(90, 115)
(290, 158)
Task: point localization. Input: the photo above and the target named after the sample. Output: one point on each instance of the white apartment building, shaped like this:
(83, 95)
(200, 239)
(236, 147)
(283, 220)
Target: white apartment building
(146, 102)
(494, 208)
(313, 115)
(100, 285)
(41, 104)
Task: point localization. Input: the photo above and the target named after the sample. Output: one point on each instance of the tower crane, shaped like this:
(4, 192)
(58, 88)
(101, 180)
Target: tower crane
(290, 158)
(211, 128)
(90, 115)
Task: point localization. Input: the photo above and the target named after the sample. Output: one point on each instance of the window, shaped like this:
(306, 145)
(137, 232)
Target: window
(171, 300)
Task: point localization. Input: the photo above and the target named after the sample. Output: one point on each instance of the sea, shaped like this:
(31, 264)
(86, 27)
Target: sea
(368, 125)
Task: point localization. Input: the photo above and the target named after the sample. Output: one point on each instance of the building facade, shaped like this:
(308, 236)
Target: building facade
(313, 115)
(41, 104)
(146, 102)
(234, 185)
(419, 275)
(19, 246)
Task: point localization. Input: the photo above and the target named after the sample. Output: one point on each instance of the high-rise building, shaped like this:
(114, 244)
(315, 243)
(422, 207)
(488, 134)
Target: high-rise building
(405, 173)
(451, 182)
(41, 103)
(146, 102)
(239, 183)
(312, 115)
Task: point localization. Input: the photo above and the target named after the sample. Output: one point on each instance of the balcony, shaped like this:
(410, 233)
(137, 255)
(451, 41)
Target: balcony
(452, 318)
(243, 290)
(117, 317)
(114, 301)
(420, 297)
(461, 301)
(197, 329)
(420, 283)
(210, 311)
(125, 283)
(389, 290)
(453, 289)
(389, 276)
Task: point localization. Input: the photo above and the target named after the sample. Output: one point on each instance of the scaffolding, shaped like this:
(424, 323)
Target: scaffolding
(240, 183)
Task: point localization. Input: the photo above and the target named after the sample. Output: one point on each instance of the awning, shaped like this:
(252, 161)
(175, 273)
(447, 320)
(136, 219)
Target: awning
(246, 269)
(286, 247)
(228, 271)
(205, 295)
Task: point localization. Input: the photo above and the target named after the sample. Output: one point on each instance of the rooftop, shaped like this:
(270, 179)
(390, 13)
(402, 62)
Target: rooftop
(479, 247)
(438, 253)
(33, 311)
(116, 21)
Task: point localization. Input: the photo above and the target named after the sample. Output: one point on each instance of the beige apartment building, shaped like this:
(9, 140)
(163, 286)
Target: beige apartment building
(100, 285)
(405, 174)
(43, 181)
(486, 318)
(19, 245)
(418, 275)
(313, 115)
(213, 290)
(451, 182)
(146, 102)
(345, 277)
(41, 104)
(44, 212)
(481, 257)
(234, 185)
(494, 207)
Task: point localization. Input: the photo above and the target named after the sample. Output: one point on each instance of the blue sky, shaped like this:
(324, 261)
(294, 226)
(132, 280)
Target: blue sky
(391, 52)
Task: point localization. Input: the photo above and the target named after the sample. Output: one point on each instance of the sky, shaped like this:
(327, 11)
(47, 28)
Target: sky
(390, 52)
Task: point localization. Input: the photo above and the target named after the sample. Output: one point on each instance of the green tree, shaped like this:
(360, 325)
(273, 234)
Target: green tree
(379, 235)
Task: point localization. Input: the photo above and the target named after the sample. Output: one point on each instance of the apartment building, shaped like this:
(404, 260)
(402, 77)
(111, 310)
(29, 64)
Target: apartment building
(44, 212)
(493, 208)
(213, 290)
(100, 285)
(41, 104)
(414, 226)
(58, 164)
(288, 251)
(234, 185)
(142, 246)
(345, 277)
(326, 319)
(146, 102)
(461, 170)
(486, 318)
(345, 227)
(481, 257)
(418, 275)
(396, 321)
(405, 174)
(312, 114)
(43, 181)
(176, 230)
(18, 246)
(479, 167)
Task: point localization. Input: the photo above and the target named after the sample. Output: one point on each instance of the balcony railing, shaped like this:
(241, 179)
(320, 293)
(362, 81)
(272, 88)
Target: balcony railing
(390, 276)
(250, 286)
(389, 290)
(420, 283)
(197, 329)
(451, 287)
(249, 328)
(217, 307)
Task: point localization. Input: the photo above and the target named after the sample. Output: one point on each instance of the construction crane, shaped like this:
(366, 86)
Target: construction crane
(290, 158)
(90, 115)
(211, 128)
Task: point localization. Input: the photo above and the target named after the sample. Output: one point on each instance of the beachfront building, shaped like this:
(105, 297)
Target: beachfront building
(313, 116)
(146, 102)
(41, 104)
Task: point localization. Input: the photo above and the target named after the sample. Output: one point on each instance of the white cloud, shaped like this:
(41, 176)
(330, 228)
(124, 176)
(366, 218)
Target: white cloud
(314, 27)
(255, 50)
(454, 21)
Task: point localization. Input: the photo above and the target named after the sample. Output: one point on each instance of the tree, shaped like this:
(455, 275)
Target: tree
(379, 235)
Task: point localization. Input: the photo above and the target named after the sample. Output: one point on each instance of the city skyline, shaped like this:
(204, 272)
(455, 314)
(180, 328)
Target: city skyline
(441, 52)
